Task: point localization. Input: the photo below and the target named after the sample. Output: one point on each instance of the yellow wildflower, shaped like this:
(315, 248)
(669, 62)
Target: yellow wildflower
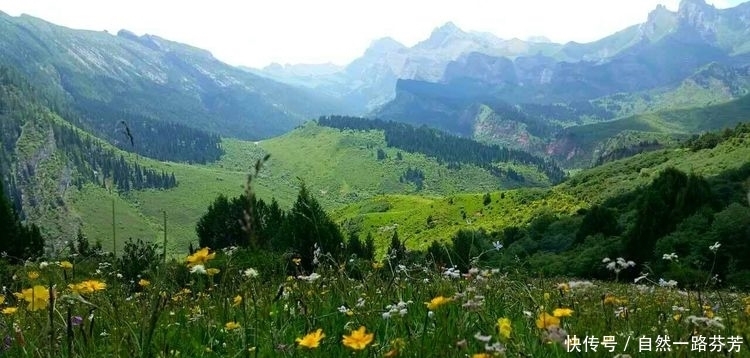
(212, 271)
(200, 257)
(562, 312)
(2, 299)
(9, 310)
(143, 282)
(708, 312)
(37, 297)
(480, 355)
(66, 265)
(88, 286)
(358, 339)
(504, 327)
(437, 302)
(610, 299)
(546, 320)
(311, 340)
(33, 275)
(231, 326)
(677, 317)
(563, 287)
(236, 301)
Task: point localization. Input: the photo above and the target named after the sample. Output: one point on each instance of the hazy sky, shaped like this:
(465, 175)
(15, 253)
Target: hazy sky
(256, 33)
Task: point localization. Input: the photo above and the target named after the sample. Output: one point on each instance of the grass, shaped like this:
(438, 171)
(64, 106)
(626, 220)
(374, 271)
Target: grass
(340, 168)
(411, 311)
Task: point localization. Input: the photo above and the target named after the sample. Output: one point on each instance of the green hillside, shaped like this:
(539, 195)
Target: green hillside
(419, 220)
(338, 167)
(662, 125)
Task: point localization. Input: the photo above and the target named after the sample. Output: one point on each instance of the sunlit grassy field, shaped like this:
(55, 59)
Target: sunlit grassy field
(222, 305)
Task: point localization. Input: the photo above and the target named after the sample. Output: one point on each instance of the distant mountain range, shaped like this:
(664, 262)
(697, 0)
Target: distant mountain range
(102, 75)
(692, 57)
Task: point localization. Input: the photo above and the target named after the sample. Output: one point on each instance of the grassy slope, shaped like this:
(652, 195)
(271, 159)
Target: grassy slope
(339, 168)
(409, 213)
(669, 124)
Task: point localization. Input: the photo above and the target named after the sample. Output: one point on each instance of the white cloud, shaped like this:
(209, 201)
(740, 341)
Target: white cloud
(259, 32)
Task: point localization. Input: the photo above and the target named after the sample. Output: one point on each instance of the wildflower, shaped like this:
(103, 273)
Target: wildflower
(546, 320)
(610, 299)
(437, 302)
(504, 327)
(76, 320)
(232, 325)
(452, 272)
(377, 265)
(9, 310)
(88, 286)
(669, 257)
(480, 355)
(496, 347)
(2, 299)
(33, 275)
(497, 245)
(668, 284)
(297, 261)
(564, 287)
(143, 282)
(43, 265)
(714, 247)
(311, 340)
(66, 265)
(212, 271)
(236, 301)
(250, 273)
(478, 336)
(579, 284)
(200, 257)
(562, 312)
(199, 269)
(358, 339)
(311, 278)
(38, 297)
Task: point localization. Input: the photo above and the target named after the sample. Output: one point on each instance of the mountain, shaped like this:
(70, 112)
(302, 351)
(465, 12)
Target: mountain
(422, 220)
(693, 57)
(585, 144)
(370, 80)
(104, 76)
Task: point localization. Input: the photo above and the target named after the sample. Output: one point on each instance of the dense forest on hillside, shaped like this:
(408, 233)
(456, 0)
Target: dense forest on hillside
(445, 147)
(97, 164)
(149, 137)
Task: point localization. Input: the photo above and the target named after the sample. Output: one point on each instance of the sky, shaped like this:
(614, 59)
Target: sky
(256, 33)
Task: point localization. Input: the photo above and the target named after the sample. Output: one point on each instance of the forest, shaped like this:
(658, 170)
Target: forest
(445, 147)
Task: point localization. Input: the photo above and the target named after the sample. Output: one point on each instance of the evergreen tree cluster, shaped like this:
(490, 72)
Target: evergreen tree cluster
(20, 242)
(445, 147)
(97, 164)
(160, 140)
(305, 231)
(413, 175)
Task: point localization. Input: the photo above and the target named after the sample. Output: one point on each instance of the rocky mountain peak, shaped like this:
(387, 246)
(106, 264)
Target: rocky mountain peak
(443, 33)
(697, 13)
(383, 46)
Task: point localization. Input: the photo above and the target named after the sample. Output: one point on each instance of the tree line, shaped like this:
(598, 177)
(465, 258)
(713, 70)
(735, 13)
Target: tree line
(99, 165)
(304, 231)
(146, 136)
(445, 147)
(20, 241)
